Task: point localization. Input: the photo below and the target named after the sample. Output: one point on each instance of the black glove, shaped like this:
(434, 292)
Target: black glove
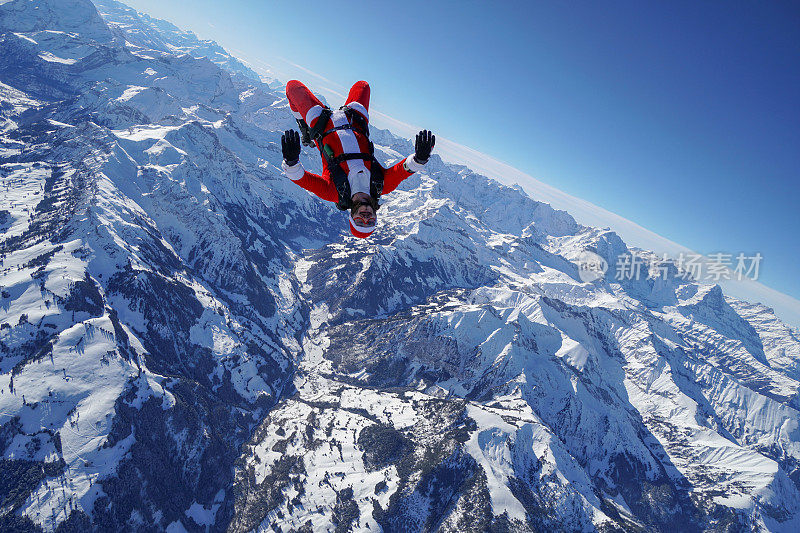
(423, 146)
(290, 145)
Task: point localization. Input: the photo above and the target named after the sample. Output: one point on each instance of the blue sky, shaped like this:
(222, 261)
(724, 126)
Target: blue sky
(683, 117)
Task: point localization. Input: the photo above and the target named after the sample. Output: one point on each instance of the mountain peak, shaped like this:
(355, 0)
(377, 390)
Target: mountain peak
(69, 16)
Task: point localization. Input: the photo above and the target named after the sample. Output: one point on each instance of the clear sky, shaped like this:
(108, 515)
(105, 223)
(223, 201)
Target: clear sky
(683, 117)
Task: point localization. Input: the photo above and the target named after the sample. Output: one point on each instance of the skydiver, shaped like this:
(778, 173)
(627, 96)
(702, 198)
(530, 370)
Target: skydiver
(351, 176)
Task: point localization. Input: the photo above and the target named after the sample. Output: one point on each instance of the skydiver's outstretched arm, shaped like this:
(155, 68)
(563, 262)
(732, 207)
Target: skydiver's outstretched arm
(392, 177)
(313, 183)
(290, 146)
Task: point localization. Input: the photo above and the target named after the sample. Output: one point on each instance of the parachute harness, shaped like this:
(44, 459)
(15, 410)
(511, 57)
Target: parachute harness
(317, 135)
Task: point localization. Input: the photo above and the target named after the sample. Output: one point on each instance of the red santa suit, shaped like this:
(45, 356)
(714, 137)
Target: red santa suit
(348, 140)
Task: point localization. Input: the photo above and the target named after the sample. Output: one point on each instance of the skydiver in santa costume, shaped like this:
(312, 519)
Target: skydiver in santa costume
(351, 176)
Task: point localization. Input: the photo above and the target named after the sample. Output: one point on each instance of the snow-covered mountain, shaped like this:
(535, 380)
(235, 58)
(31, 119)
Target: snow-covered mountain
(189, 341)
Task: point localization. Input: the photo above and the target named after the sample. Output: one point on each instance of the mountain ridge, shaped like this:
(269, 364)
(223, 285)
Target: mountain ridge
(191, 342)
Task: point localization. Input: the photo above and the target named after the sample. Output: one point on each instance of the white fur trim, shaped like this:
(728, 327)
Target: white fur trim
(297, 114)
(413, 166)
(294, 172)
(363, 229)
(312, 114)
(358, 106)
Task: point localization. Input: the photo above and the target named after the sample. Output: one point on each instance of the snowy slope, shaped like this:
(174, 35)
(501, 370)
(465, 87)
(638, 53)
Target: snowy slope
(188, 341)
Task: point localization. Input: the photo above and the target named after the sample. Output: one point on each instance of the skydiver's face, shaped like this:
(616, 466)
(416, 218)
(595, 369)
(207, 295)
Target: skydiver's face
(363, 213)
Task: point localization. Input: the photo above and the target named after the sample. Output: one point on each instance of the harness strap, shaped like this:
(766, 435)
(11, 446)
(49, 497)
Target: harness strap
(355, 121)
(338, 175)
(322, 121)
(355, 118)
(336, 128)
(304, 133)
(339, 179)
(375, 181)
(346, 157)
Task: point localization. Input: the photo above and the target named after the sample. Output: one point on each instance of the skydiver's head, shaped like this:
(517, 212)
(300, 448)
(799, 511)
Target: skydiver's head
(363, 215)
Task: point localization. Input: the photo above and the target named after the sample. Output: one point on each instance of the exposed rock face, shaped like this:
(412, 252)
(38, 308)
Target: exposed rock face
(190, 341)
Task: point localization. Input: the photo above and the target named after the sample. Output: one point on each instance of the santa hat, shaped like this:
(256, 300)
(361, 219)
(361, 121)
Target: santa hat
(361, 231)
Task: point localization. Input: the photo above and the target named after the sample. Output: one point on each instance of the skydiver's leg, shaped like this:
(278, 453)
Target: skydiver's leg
(358, 99)
(303, 103)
